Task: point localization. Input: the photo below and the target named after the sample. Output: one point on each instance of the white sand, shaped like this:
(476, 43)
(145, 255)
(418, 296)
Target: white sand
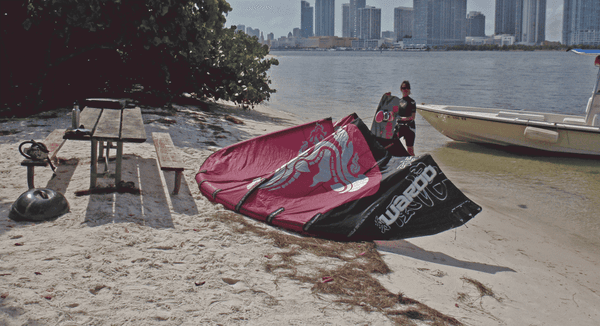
(165, 260)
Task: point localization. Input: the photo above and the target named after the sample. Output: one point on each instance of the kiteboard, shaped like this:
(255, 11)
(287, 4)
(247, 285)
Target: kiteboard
(389, 110)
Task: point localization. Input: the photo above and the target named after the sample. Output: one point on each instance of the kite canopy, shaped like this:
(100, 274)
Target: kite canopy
(336, 182)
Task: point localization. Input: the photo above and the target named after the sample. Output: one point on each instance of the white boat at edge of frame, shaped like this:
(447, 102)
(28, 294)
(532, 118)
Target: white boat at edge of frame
(551, 132)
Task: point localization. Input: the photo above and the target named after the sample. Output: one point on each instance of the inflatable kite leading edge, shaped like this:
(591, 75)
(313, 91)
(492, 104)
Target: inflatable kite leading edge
(335, 182)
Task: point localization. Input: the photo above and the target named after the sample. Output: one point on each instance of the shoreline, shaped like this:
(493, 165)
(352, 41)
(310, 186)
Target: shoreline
(125, 259)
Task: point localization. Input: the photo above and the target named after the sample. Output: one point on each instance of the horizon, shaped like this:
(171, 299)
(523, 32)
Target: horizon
(280, 18)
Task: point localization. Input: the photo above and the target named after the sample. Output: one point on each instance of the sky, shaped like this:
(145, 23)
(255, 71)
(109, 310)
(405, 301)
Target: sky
(282, 16)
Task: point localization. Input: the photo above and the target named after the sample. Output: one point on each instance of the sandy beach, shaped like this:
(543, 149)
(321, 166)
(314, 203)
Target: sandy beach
(162, 259)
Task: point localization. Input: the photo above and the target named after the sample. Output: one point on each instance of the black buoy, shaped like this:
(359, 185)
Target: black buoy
(39, 205)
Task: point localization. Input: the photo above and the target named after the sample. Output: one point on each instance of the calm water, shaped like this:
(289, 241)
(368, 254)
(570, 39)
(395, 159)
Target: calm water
(550, 191)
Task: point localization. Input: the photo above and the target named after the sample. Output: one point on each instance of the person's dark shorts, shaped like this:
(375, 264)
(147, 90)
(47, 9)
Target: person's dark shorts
(408, 131)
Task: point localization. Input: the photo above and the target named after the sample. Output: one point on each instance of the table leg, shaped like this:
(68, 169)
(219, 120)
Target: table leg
(94, 164)
(119, 160)
(101, 150)
(107, 156)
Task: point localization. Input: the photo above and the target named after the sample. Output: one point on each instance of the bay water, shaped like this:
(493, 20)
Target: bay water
(555, 193)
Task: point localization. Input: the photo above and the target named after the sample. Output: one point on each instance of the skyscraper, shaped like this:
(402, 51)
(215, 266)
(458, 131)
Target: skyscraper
(439, 22)
(506, 16)
(581, 22)
(354, 24)
(253, 31)
(306, 19)
(533, 26)
(475, 24)
(403, 22)
(369, 19)
(346, 20)
(324, 17)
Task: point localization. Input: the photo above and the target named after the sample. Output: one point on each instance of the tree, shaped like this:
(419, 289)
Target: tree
(62, 50)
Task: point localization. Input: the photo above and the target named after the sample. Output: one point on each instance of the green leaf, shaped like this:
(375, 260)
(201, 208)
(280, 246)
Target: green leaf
(27, 24)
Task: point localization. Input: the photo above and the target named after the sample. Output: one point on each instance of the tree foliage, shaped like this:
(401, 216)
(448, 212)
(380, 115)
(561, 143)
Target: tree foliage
(58, 51)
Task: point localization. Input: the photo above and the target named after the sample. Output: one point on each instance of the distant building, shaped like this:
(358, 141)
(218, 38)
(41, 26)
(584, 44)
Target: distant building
(324, 17)
(366, 44)
(403, 22)
(478, 40)
(241, 28)
(506, 16)
(270, 37)
(370, 23)
(533, 27)
(388, 34)
(311, 42)
(296, 32)
(525, 19)
(439, 22)
(500, 40)
(475, 24)
(253, 32)
(503, 39)
(306, 19)
(581, 22)
(355, 5)
(346, 20)
(327, 42)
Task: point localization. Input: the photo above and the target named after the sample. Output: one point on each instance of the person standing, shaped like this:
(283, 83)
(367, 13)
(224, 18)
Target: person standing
(408, 112)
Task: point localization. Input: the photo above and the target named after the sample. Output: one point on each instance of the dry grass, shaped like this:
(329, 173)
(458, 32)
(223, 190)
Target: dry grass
(483, 290)
(347, 273)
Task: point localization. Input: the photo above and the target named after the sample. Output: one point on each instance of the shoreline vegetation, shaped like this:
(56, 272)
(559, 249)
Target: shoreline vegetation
(464, 47)
(55, 53)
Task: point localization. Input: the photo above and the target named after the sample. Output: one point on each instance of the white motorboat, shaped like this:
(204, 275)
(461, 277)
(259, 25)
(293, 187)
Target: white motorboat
(550, 132)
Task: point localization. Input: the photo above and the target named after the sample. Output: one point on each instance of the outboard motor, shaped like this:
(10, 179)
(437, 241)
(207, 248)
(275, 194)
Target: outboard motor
(37, 152)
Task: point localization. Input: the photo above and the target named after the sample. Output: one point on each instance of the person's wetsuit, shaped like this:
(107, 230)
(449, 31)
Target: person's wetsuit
(408, 129)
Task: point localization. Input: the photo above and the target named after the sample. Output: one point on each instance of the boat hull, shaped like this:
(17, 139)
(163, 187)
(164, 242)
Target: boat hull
(541, 131)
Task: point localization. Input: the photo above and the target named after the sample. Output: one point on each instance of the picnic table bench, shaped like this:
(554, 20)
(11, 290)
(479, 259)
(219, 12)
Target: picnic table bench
(54, 142)
(168, 157)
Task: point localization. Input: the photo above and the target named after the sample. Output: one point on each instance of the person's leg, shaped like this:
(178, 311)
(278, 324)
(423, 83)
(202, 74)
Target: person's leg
(409, 138)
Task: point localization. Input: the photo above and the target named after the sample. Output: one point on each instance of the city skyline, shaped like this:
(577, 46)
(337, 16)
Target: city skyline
(581, 22)
(281, 17)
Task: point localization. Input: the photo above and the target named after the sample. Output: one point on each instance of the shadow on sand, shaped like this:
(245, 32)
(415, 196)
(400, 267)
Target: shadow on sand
(149, 207)
(405, 248)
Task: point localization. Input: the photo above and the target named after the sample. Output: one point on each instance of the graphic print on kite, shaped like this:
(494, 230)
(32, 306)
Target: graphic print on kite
(336, 164)
(345, 187)
(414, 199)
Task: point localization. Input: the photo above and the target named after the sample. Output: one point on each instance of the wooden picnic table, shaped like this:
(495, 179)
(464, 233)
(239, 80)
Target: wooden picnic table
(108, 125)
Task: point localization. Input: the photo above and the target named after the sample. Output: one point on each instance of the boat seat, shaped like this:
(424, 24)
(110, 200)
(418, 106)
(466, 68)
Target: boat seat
(522, 116)
(574, 121)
